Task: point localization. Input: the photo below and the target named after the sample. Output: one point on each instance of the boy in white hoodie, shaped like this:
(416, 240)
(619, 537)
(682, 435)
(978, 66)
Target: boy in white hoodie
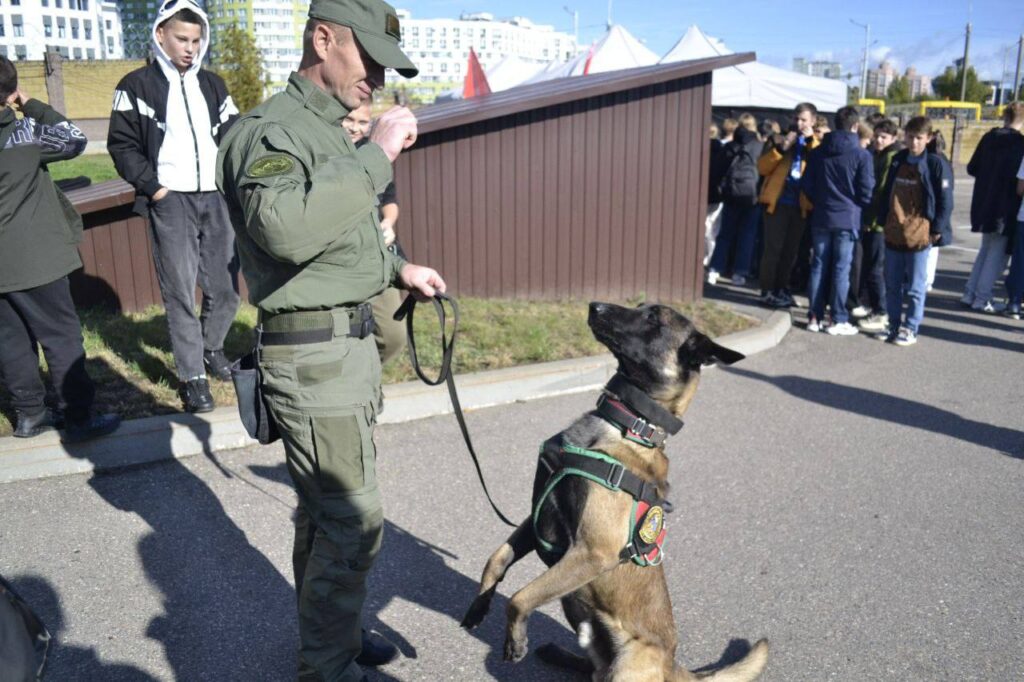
(167, 120)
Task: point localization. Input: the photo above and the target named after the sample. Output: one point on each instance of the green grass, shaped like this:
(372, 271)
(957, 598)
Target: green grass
(129, 355)
(97, 167)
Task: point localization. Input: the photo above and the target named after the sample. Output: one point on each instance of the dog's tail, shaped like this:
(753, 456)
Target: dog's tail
(744, 670)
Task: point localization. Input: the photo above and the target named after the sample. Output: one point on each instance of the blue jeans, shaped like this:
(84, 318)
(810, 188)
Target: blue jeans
(739, 232)
(906, 272)
(1015, 280)
(833, 254)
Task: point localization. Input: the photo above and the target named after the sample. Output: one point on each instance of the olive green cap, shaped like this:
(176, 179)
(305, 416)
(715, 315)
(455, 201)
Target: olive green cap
(376, 26)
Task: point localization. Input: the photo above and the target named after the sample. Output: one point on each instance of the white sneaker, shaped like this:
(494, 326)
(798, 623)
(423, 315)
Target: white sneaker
(843, 329)
(874, 323)
(906, 338)
(739, 280)
(859, 312)
(712, 277)
(813, 326)
(885, 335)
(988, 307)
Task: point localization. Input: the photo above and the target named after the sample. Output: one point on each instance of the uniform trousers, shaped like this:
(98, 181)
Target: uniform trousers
(44, 314)
(194, 243)
(325, 398)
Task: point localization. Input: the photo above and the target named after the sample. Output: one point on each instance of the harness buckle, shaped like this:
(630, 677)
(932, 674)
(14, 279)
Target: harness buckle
(615, 473)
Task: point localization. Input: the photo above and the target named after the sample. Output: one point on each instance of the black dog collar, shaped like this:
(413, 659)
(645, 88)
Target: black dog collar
(637, 413)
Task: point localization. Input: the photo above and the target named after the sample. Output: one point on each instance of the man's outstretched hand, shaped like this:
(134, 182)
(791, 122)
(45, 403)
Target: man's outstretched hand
(422, 281)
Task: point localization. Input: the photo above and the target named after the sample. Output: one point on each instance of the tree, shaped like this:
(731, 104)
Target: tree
(899, 91)
(239, 62)
(947, 86)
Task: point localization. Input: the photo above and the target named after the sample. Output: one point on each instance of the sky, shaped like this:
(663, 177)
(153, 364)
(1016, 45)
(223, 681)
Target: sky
(927, 35)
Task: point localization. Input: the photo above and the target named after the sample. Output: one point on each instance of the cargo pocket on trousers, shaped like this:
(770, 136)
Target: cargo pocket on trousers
(344, 451)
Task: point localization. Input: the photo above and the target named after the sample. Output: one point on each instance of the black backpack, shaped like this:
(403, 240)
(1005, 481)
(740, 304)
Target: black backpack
(739, 180)
(24, 639)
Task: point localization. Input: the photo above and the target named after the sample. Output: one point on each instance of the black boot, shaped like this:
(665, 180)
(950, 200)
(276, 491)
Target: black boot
(376, 650)
(30, 425)
(91, 427)
(196, 396)
(217, 364)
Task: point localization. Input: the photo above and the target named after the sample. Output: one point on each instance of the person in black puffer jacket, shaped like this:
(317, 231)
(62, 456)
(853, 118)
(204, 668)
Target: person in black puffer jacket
(738, 188)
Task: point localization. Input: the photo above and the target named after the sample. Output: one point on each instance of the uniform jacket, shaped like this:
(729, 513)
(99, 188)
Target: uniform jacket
(303, 202)
(774, 168)
(937, 176)
(39, 228)
(165, 126)
(838, 181)
(994, 165)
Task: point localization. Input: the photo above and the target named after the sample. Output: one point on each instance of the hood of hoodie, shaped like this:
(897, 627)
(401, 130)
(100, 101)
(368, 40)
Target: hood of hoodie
(839, 142)
(166, 11)
(744, 136)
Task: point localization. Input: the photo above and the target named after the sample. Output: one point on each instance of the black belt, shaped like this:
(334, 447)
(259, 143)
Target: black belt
(315, 326)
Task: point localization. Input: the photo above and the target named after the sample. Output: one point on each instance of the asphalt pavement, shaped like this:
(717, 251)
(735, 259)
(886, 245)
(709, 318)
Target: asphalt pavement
(858, 504)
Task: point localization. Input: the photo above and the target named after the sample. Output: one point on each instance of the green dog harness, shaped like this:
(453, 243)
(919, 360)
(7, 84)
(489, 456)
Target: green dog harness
(645, 530)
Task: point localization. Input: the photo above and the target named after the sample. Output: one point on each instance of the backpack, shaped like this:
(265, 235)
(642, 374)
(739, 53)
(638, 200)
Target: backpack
(739, 180)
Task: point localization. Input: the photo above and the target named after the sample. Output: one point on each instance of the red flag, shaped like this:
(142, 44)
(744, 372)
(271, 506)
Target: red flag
(590, 58)
(476, 80)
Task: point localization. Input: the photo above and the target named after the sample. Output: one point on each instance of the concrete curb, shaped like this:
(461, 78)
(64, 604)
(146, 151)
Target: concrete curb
(152, 439)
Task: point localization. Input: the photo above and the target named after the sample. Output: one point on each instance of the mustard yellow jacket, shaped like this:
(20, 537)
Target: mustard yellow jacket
(774, 168)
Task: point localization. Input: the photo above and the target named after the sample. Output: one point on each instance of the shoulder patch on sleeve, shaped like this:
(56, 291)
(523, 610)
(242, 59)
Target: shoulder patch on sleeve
(279, 164)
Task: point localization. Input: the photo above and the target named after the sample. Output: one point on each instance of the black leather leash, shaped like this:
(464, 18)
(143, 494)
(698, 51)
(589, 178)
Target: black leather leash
(405, 311)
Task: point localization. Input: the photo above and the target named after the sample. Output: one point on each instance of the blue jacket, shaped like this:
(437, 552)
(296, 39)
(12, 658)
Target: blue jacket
(838, 181)
(937, 175)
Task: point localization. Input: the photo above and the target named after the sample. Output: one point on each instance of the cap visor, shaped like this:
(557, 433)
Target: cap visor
(386, 53)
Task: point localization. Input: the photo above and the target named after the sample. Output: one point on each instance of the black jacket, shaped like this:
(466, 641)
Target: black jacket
(839, 179)
(139, 117)
(39, 228)
(994, 166)
(937, 176)
(738, 185)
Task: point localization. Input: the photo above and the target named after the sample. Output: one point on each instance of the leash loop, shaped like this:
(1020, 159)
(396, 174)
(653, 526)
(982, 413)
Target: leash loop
(406, 311)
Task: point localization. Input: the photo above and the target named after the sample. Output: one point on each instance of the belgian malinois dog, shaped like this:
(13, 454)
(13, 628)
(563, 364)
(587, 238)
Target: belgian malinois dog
(607, 473)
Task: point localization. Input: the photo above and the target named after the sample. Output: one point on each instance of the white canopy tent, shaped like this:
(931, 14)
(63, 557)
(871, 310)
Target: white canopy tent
(617, 49)
(754, 84)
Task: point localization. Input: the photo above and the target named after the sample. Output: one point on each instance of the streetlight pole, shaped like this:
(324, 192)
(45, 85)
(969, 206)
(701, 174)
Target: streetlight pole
(575, 23)
(967, 54)
(864, 65)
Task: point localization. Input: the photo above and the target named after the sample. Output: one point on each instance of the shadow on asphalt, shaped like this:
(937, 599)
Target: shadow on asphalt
(218, 592)
(68, 662)
(900, 411)
(994, 322)
(415, 571)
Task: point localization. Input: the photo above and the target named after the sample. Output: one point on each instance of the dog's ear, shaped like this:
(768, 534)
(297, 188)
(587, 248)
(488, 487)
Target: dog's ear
(703, 351)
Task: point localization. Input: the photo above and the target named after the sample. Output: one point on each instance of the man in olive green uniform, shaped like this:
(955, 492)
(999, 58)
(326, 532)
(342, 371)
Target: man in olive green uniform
(303, 204)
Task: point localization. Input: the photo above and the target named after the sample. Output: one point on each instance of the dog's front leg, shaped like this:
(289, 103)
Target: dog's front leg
(579, 566)
(518, 545)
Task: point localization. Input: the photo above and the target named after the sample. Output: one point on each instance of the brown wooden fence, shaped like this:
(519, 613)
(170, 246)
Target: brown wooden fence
(587, 187)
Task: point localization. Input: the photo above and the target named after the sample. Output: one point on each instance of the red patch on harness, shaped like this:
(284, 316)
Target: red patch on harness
(650, 530)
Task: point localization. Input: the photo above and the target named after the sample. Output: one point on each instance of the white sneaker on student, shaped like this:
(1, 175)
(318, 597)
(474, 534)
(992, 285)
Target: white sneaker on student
(813, 326)
(906, 338)
(874, 323)
(712, 277)
(859, 312)
(842, 329)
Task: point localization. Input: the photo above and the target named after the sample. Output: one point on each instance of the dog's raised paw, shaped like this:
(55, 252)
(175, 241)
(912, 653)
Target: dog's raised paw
(515, 649)
(477, 610)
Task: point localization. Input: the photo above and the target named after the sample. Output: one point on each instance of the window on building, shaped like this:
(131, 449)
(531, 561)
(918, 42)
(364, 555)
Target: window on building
(84, 5)
(20, 52)
(444, 67)
(88, 30)
(47, 27)
(58, 3)
(78, 53)
(46, 3)
(62, 31)
(74, 29)
(90, 53)
(110, 44)
(15, 3)
(2, 30)
(110, 25)
(3, 49)
(17, 29)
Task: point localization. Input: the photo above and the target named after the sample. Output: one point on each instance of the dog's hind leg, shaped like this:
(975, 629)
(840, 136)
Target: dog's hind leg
(518, 545)
(578, 567)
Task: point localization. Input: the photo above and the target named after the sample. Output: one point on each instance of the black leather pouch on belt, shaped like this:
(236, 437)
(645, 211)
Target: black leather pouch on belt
(252, 408)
